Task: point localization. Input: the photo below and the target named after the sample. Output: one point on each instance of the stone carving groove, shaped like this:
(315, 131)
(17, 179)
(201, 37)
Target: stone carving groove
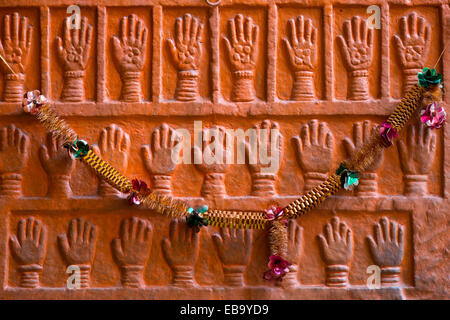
(357, 51)
(302, 50)
(242, 49)
(186, 52)
(15, 48)
(74, 51)
(129, 50)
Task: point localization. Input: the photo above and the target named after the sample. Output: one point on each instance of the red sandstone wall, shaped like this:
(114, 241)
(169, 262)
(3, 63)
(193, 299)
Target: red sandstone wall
(126, 89)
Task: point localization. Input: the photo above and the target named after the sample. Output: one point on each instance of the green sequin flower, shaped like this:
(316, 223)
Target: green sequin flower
(78, 149)
(428, 77)
(349, 179)
(195, 218)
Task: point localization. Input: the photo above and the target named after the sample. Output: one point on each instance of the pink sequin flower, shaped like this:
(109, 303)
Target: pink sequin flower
(278, 268)
(274, 213)
(388, 133)
(433, 116)
(139, 188)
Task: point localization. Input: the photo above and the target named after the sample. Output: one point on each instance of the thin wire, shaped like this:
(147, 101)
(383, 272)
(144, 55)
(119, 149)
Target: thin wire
(3, 59)
(440, 56)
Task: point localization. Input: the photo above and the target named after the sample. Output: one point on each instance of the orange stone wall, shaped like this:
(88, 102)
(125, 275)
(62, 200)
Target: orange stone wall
(323, 91)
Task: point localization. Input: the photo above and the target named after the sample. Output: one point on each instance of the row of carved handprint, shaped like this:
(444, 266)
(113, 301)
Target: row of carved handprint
(336, 244)
(314, 149)
(180, 249)
(129, 54)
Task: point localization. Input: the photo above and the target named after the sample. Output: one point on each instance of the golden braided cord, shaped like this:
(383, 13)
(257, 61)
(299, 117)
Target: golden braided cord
(406, 108)
(107, 172)
(313, 197)
(54, 124)
(236, 219)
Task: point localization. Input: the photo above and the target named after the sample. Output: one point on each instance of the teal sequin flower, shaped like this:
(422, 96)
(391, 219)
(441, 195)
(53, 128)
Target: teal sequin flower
(428, 77)
(195, 218)
(78, 149)
(349, 179)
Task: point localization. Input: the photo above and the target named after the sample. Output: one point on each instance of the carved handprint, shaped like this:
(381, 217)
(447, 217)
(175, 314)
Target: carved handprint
(73, 51)
(263, 155)
(356, 44)
(361, 135)
(302, 46)
(158, 159)
(314, 149)
(180, 251)
(58, 165)
(131, 250)
(186, 49)
(212, 161)
(413, 42)
(113, 146)
(29, 248)
(233, 247)
(294, 250)
(417, 154)
(337, 250)
(129, 55)
(14, 144)
(186, 52)
(295, 237)
(387, 249)
(357, 50)
(302, 50)
(416, 157)
(78, 247)
(15, 48)
(242, 52)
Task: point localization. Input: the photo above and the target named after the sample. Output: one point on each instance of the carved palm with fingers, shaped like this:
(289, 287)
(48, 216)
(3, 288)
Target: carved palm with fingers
(158, 158)
(357, 51)
(413, 41)
(242, 49)
(212, 161)
(180, 250)
(74, 51)
(263, 151)
(15, 47)
(314, 149)
(131, 250)
(186, 51)
(129, 50)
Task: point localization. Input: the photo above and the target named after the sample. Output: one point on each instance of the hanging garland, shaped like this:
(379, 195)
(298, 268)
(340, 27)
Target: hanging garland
(426, 93)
